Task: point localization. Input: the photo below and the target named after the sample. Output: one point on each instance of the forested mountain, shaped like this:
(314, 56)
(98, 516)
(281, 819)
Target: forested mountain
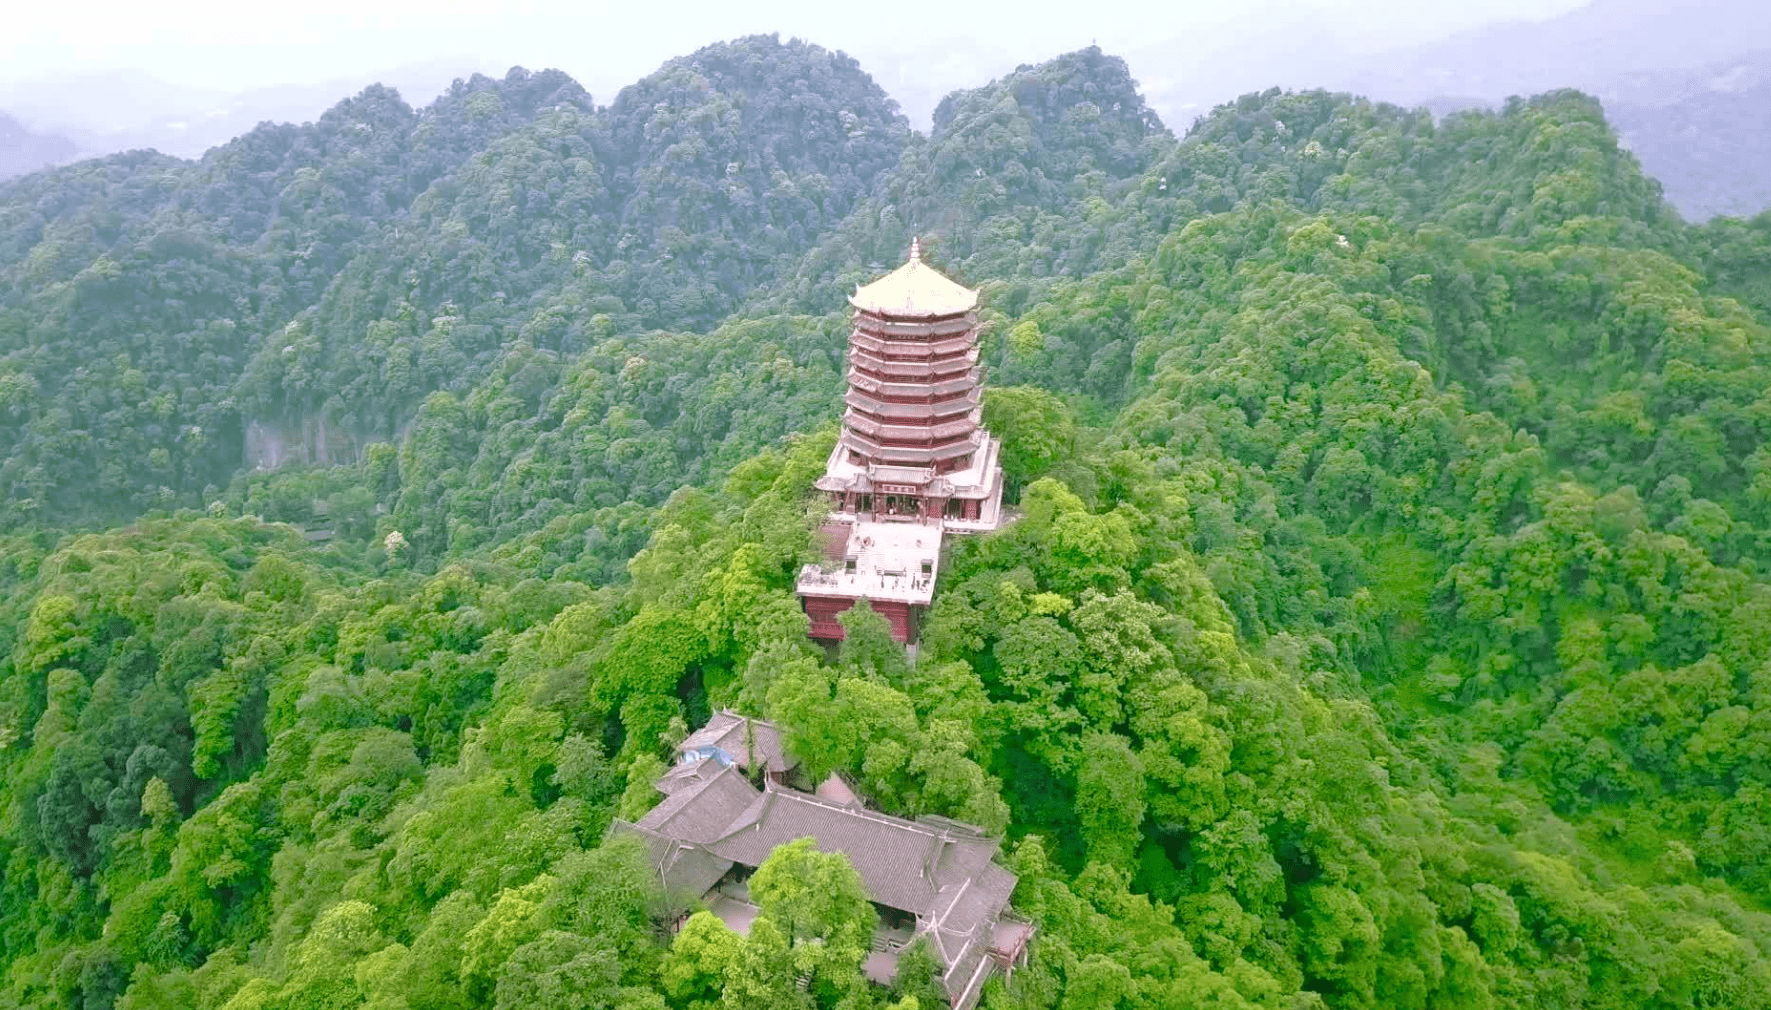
(1002, 180)
(1382, 626)
(299, 292)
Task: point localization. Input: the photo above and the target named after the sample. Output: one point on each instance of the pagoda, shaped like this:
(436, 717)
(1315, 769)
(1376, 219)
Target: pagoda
(914, 461)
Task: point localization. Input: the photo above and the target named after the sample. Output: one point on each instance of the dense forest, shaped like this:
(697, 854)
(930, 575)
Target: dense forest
(383, 497)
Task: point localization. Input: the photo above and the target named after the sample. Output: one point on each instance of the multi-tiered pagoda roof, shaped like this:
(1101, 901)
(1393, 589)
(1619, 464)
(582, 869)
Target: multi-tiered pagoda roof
(913, 448)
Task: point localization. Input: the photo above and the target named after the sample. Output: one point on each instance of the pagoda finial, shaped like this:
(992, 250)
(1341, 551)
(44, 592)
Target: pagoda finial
(915, 249)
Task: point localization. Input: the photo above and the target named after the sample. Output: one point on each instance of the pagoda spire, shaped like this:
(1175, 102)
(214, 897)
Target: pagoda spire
(915, 249)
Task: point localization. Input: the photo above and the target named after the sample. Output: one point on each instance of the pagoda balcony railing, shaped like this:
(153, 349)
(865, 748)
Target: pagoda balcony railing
(904, 455)
(918, 328)
(915, 334)
(889, 367)
(886, 410)
(911, 434)
(911, 344)
(902, 474)
(913, 392)
(897, 352)
(917, 385)
(945, 318)
(918, 351)
(897, 371)
(919, 422)
(889, 450)
(887, 445)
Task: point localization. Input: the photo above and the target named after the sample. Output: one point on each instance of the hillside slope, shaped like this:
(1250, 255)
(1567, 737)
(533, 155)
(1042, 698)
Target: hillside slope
(1382, 625)
(296, 294)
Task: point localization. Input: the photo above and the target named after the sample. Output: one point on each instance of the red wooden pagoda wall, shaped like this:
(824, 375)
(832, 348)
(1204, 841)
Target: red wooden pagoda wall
(823, 610)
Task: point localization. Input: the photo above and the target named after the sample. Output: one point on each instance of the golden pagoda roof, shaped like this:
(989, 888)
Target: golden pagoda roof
(914, 289)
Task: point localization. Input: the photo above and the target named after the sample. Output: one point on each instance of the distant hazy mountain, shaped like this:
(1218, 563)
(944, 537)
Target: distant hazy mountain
(1687, 84)
(1712, 150)
(1704, 132)
(23, 151)
(1682, 80)
(1631, 49)
(125, 110)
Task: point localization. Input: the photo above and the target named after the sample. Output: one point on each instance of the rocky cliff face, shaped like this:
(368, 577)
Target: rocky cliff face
(311, 441)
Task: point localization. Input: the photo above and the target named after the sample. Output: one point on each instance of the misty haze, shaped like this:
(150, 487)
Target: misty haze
(719, 506)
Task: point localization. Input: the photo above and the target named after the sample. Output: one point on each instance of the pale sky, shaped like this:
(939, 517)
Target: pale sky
(229, 45)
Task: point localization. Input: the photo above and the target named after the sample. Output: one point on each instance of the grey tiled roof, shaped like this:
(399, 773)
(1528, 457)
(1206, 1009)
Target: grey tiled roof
(685, 869)
(728, 730)
(710, 797)
(680, 776)
(965, 931)
(691, 869)
(940, 870)
(903, 864)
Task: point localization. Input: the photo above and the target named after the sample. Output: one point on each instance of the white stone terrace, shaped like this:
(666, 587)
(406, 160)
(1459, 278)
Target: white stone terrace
(882, 561)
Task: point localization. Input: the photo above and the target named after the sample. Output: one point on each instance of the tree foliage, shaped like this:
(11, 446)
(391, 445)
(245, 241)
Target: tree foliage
(1381, 626)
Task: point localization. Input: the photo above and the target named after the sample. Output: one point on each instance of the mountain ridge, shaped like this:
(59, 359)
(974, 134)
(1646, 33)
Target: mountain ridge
(385, 498)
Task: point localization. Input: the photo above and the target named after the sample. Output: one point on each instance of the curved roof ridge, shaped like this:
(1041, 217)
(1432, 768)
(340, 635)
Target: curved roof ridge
(751, 814)
(865, 813)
